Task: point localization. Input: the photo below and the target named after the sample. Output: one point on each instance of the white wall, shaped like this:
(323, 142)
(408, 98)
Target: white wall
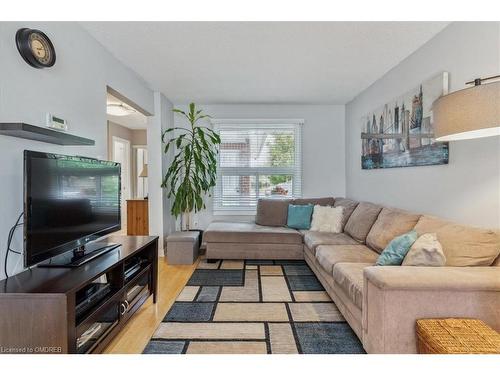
(74, 89)
(323, 151)
(169, 221)
(160, 220)
(466, 190)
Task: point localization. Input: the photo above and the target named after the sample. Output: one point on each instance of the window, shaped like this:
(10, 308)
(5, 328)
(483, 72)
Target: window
(257, 159)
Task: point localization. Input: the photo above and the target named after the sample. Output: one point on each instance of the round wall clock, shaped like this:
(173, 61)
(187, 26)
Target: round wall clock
(36, 48)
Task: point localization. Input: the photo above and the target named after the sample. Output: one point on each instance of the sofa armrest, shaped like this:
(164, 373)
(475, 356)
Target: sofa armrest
(432, 278)
(394, 298)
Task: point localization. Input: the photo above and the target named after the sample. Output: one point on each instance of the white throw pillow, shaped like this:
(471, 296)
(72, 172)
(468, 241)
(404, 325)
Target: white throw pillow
(426, 251)
(327, 219)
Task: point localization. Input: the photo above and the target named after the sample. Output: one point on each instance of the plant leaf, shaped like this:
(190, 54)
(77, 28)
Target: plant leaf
(193, 169)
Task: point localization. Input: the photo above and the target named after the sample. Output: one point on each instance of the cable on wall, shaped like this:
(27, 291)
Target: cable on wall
(12, 231)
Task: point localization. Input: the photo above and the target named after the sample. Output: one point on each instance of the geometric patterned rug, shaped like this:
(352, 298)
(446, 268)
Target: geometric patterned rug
(254, 307)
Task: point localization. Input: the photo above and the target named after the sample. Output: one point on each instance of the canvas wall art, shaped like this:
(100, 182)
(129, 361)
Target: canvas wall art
(401, 133)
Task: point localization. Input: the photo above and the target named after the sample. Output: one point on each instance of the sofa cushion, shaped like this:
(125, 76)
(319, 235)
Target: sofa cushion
(349, 278)
(299, 216)
(327, 201)
(349, 206)
(314, 239)
(272, 212)
(250, 233)
(327, 219)
(361, 220)
(329, 255)
(390, 223)
(462, 245)
(397, 249)
(425, 252)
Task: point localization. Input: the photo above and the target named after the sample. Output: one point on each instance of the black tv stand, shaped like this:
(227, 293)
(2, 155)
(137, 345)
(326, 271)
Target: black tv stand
(80, 255)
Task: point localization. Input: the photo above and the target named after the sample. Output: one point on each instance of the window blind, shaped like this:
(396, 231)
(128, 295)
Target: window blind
(257, 160)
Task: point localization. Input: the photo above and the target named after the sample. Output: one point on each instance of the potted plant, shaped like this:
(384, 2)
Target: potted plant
(193, 171)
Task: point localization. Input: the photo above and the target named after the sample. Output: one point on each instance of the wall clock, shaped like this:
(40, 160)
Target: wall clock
(36, 48)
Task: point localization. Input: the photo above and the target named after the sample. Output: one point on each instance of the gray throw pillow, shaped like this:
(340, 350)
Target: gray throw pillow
(272, 212)
(326, 201)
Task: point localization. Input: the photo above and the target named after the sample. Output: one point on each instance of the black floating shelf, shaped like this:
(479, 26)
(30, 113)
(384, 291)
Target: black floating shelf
(37, 133)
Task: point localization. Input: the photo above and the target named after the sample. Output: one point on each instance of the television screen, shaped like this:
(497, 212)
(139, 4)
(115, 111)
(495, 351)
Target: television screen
(68, 201)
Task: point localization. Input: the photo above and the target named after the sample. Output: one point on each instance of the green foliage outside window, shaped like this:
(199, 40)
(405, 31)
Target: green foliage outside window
(282, 155)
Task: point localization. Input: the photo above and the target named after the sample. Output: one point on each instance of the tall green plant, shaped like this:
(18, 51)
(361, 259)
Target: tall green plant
(193, 171)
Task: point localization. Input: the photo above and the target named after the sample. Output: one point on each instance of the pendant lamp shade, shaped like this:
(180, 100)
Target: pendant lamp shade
(470, 113)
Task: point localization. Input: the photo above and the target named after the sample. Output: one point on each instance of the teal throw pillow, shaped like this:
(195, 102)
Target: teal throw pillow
(396, 250)
(299, 216)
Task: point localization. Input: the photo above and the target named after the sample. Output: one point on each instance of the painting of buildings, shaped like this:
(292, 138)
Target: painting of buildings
(401, 134)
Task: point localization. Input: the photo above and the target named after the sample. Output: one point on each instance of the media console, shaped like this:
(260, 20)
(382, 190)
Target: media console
(78, 310)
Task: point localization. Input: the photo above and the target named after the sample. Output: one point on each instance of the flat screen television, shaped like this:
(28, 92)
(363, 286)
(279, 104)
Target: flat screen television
(69, 201)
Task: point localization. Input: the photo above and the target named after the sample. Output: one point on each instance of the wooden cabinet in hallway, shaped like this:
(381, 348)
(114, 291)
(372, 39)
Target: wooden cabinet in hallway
(137, 217)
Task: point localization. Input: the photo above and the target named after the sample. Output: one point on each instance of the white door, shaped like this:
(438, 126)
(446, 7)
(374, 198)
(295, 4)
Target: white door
(121, 154)
(141, 162)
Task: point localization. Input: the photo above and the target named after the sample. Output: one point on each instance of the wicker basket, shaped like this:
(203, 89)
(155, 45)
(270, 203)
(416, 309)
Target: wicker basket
(456, 336)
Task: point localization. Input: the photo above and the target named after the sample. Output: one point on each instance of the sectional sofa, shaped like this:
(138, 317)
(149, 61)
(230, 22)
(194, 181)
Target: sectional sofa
(381, 304)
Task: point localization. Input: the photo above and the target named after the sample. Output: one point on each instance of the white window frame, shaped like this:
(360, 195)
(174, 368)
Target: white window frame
(295, 171)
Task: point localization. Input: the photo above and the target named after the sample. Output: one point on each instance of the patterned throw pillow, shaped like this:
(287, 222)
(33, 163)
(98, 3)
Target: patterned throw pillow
(396, 250)
(426, 251)
(327, 219)
(299, 216)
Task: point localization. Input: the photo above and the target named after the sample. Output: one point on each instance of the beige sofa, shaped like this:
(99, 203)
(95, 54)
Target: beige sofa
(380, 303)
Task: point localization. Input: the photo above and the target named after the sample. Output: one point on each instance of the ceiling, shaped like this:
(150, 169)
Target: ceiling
(133, 121)
(262, 62)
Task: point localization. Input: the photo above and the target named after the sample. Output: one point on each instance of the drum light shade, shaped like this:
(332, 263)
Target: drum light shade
(119, 109)
(469, 113)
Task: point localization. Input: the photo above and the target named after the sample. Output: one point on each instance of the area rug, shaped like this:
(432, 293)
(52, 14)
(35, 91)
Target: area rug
(254, 307)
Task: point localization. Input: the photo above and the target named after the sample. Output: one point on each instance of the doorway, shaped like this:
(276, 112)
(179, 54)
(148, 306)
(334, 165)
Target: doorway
(121, 154)
(127, 145)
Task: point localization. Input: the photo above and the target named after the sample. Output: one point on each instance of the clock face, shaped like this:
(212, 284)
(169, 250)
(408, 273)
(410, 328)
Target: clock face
(40, 48)
(35, 48)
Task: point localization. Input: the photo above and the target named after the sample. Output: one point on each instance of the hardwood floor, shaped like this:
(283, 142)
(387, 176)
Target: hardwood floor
(136, 334)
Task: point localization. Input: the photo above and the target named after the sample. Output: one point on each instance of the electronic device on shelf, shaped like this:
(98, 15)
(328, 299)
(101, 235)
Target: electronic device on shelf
(135, 265)
(134, 291)
(89, 297)
(88, 335)
(56, 123)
